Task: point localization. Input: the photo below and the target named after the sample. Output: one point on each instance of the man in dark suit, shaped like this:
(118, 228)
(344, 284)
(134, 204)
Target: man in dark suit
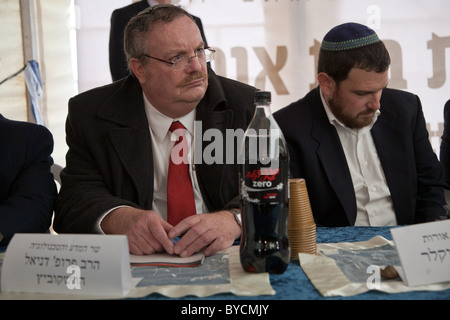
(27, 187)
(119, 142)
(119, 19)
(362, 149)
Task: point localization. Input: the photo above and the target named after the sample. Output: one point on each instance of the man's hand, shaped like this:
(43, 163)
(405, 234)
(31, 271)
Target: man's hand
(146, 230)
(213, 231)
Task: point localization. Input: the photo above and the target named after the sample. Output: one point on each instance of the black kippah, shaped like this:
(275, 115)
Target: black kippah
(349, 36)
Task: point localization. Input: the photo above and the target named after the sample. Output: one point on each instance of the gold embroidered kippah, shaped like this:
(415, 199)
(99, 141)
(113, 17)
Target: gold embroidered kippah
(349, 36)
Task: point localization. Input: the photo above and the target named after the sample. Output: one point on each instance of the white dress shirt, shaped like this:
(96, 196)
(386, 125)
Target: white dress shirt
(162, 144)
(373, 198)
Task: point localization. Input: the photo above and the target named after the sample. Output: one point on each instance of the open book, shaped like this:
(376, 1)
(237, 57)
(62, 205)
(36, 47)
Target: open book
(167, 260)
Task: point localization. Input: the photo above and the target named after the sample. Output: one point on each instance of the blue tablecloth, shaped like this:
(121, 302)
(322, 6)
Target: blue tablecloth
(295, 285)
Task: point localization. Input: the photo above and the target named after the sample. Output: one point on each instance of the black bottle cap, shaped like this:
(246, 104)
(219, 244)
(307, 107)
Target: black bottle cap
(263, 96)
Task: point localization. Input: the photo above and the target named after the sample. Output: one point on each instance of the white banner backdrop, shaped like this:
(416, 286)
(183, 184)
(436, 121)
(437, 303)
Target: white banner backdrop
(274, 44)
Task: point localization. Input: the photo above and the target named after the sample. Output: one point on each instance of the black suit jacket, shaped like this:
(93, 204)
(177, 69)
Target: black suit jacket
(27, 187)
(110, 163)
(119, 20)
(412, 171)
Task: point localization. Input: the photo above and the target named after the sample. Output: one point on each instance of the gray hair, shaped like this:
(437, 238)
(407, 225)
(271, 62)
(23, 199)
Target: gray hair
(138, 27)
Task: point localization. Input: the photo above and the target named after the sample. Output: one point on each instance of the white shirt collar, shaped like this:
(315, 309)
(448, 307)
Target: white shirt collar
(160, 123)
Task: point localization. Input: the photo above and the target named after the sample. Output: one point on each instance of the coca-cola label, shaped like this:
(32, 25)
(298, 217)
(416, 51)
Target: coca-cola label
(262, 185)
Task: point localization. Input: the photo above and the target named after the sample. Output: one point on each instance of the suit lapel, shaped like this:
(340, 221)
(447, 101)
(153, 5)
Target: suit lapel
(130, 137)
(332, 156)
(391, 150)
(213, 113)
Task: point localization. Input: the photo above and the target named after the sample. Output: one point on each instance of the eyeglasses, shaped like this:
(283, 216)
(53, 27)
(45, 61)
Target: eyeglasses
(182, 61)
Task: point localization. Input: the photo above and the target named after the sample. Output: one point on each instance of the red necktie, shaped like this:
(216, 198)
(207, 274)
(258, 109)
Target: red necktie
(180, 194)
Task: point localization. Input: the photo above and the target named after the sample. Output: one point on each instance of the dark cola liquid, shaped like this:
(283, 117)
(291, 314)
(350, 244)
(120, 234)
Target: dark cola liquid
(264, 243)
(264, 250)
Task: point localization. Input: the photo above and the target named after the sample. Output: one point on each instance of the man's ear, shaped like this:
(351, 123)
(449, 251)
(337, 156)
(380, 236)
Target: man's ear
(326, 83)
(137, 68)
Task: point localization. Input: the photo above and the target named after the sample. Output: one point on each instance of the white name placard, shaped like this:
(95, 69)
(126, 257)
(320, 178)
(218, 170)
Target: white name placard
(424, 251)
(96, 265)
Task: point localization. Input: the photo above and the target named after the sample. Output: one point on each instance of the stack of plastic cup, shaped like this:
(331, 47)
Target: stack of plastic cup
(301, 226)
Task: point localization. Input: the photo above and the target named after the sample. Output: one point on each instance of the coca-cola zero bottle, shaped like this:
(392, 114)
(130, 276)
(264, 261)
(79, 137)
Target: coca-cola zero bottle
(264, 194)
